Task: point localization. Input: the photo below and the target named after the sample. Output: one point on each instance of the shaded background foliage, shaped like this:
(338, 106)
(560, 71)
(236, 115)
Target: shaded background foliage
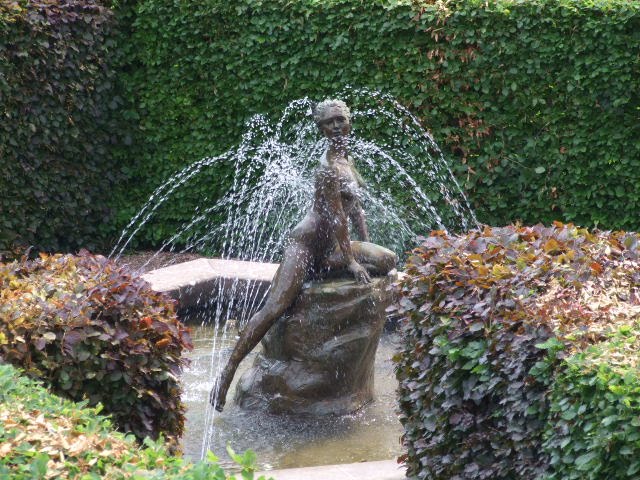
(58, 107)
(535, 103)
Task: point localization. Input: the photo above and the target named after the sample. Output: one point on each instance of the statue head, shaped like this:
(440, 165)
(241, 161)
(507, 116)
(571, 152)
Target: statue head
(333, 118)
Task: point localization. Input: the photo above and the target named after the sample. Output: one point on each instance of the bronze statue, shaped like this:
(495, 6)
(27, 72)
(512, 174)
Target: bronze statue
(320, 243)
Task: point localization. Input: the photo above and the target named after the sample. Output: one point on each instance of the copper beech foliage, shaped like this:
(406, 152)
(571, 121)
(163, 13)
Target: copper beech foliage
(60, 123)
(91, 330)
(494, 322)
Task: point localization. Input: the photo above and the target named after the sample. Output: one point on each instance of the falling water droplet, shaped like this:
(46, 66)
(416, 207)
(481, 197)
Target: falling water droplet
(409, 191)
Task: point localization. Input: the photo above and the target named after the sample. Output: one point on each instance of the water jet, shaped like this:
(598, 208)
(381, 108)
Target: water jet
(271, 187)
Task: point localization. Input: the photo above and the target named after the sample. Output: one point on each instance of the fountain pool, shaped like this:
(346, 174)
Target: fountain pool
(372, 433)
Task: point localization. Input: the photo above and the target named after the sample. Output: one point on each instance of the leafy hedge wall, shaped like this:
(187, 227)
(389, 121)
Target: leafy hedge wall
(91, 330)
(58, 126)
(520, 356)
(536, 103)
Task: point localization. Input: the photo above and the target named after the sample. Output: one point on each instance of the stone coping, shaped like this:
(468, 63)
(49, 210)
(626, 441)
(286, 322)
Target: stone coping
(380, 470)
(189, 282)
(180, 275)
(197, 280)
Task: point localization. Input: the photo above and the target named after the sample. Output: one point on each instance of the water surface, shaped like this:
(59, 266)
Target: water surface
(281, 441)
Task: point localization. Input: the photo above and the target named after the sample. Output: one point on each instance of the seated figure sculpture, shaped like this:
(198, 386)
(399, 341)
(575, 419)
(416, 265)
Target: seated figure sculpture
(320, 244)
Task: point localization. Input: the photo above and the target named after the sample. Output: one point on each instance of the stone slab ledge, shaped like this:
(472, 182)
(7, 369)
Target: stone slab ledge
(196, 280)
(380, 470)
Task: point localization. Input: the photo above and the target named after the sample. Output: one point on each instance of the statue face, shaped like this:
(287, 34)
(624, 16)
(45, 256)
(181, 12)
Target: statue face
(334, 123)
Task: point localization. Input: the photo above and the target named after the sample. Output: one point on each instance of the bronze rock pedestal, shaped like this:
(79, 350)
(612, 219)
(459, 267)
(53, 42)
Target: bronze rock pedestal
(318, 358)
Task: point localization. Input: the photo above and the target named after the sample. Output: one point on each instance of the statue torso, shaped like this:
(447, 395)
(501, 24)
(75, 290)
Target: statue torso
(316, 230)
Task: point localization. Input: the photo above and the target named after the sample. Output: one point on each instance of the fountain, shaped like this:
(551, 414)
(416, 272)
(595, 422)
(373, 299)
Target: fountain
(320, 360)
(272, 185)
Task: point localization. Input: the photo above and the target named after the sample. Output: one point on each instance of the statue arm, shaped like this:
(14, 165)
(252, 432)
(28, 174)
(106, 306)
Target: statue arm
(359, 222)
(357, 213)
(327, 187)
(356, 173)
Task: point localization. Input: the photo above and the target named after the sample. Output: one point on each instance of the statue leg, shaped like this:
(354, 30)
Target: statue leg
(376, 259)
(285, 287)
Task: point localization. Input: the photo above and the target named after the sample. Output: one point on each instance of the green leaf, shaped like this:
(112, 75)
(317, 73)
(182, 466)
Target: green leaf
(552, 344)
(633, 468)
(38, 466)
(234, 456)
(584, 462)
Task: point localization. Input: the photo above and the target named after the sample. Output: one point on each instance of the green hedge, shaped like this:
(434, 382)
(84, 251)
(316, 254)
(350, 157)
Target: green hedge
(45, 436)
(594, 426)
(520, 356)
(58, 104)
(535, 103)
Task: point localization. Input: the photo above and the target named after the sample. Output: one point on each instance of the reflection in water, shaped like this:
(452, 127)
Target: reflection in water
(281, 441)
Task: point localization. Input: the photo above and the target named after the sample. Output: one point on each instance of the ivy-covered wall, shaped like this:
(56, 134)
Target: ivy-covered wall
(57, 126)
(536, 103)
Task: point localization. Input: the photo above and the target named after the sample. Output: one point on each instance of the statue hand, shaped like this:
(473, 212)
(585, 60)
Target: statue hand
(359, 272)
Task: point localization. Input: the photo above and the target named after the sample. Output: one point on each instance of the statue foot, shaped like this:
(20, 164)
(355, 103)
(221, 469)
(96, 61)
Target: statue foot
(218, 401)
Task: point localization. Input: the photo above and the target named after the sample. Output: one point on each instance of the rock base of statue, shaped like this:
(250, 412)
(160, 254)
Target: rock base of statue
(318, 358)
